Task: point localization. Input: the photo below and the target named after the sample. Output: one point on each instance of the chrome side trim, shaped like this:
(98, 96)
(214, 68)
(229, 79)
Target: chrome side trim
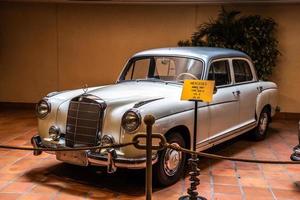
(233, 132)
(190, 109)
(226, 136)
(142, 103)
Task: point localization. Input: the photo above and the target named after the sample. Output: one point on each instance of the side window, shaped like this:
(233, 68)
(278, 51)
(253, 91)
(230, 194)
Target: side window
(242, 71)
(138, 69)
(219, 72)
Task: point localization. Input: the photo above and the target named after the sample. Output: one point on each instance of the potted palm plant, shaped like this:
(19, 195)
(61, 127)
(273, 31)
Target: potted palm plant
(252, 34)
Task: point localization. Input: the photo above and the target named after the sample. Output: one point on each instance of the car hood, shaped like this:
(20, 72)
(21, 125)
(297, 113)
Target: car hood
(163, 97)
(135, 91)
(125, 92)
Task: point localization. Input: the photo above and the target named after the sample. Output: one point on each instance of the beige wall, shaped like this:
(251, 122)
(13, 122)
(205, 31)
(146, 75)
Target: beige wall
(47, 47)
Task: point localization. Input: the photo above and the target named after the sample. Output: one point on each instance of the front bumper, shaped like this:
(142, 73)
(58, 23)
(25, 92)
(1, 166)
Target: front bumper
(84, 158)
(296, 153)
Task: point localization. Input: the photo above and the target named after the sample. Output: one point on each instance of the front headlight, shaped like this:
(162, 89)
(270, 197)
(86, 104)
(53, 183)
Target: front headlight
(54, 133)
(131, 120)
(43, 108)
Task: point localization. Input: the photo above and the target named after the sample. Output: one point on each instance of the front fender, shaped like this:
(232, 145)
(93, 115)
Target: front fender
(268, 96)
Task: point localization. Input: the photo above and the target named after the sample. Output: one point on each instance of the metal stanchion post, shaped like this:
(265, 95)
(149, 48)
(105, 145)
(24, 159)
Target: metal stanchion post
(149, 121)
(193, 162)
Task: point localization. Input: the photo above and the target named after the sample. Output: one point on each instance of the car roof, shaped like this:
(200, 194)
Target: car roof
(204, 53)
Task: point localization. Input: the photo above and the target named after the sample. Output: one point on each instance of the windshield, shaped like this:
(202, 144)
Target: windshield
(163, 68)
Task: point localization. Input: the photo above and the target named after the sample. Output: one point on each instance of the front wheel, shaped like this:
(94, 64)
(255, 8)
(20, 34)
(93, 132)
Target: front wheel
(260, 131)
(170, 165)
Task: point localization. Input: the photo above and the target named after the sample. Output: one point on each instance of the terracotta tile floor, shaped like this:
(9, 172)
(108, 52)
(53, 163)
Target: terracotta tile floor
(23, 176)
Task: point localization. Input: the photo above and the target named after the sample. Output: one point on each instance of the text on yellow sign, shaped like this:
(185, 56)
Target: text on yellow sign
(200, 90)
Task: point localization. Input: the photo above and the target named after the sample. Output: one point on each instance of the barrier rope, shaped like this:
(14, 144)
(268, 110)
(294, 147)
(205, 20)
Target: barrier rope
(149, 120)
(163, 145)
(69, 149)
(218, 157)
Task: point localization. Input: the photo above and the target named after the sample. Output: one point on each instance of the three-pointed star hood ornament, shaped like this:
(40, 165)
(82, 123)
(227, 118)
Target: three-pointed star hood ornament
(85, 88)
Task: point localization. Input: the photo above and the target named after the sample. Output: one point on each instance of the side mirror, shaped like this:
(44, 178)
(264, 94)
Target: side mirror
(215, 90)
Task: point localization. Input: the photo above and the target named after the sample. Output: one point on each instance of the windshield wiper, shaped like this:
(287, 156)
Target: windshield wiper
(155, 80)
(151, 79)
(174, 82)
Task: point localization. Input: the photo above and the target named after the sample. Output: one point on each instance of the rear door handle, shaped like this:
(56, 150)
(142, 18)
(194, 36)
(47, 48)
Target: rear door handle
(260, 89)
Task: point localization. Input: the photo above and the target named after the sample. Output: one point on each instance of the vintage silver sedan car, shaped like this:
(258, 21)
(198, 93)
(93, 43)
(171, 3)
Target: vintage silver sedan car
(151, 83)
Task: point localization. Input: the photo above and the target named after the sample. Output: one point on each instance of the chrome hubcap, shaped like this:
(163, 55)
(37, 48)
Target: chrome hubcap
(172, 160)
(263, 123)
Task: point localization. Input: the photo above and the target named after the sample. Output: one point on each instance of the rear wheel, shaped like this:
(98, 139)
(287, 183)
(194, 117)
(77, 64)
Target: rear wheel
(170, 165)
(260, 131)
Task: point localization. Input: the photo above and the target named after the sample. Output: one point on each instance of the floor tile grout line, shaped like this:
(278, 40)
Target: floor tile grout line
(182, 185)
(17, 160)
(12, 139)
(11, 192)
(11, 181)
(237, 175)
(53, 196)
(27, 191)
(56, 194)
(263, 174)
(20, 175)
(30, 189)
(18, 135)
(34, 185)
(284, 166)
(7, 156)
(211, 180)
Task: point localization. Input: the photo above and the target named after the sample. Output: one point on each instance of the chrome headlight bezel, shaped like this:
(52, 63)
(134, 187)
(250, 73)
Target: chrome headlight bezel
(42, 109)
(131, 125)
(107, 140)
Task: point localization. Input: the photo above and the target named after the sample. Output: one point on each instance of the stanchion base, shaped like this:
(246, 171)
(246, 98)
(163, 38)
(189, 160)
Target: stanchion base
(187, 197)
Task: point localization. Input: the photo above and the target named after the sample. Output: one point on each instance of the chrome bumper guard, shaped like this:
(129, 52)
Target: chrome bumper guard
(84, 158)
(296, 155)
(36, 142)
(296, 151)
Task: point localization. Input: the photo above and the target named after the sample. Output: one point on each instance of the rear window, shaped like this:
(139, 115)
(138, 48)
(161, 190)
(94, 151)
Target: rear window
(242, 71)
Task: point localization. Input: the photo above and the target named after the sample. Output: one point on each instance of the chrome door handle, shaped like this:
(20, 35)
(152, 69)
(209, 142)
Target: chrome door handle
(260, 89)
(237, 93)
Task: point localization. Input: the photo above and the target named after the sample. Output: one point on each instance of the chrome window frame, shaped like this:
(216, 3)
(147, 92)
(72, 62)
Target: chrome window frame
(230, 71)
(252, 69)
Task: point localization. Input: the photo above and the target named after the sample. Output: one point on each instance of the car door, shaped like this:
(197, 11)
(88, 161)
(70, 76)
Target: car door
(247, 89)
(224, 109)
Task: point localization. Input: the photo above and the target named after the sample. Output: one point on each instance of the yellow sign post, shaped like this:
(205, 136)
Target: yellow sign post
(196, 90)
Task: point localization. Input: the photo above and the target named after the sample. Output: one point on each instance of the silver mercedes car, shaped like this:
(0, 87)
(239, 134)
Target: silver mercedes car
(151, 83)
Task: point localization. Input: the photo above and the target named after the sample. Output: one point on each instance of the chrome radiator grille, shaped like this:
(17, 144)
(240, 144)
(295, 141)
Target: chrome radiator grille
(84, 121)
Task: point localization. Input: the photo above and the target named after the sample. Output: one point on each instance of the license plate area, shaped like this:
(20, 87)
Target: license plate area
(73, 157)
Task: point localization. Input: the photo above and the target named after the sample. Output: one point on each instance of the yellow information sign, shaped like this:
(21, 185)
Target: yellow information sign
(200, 90)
